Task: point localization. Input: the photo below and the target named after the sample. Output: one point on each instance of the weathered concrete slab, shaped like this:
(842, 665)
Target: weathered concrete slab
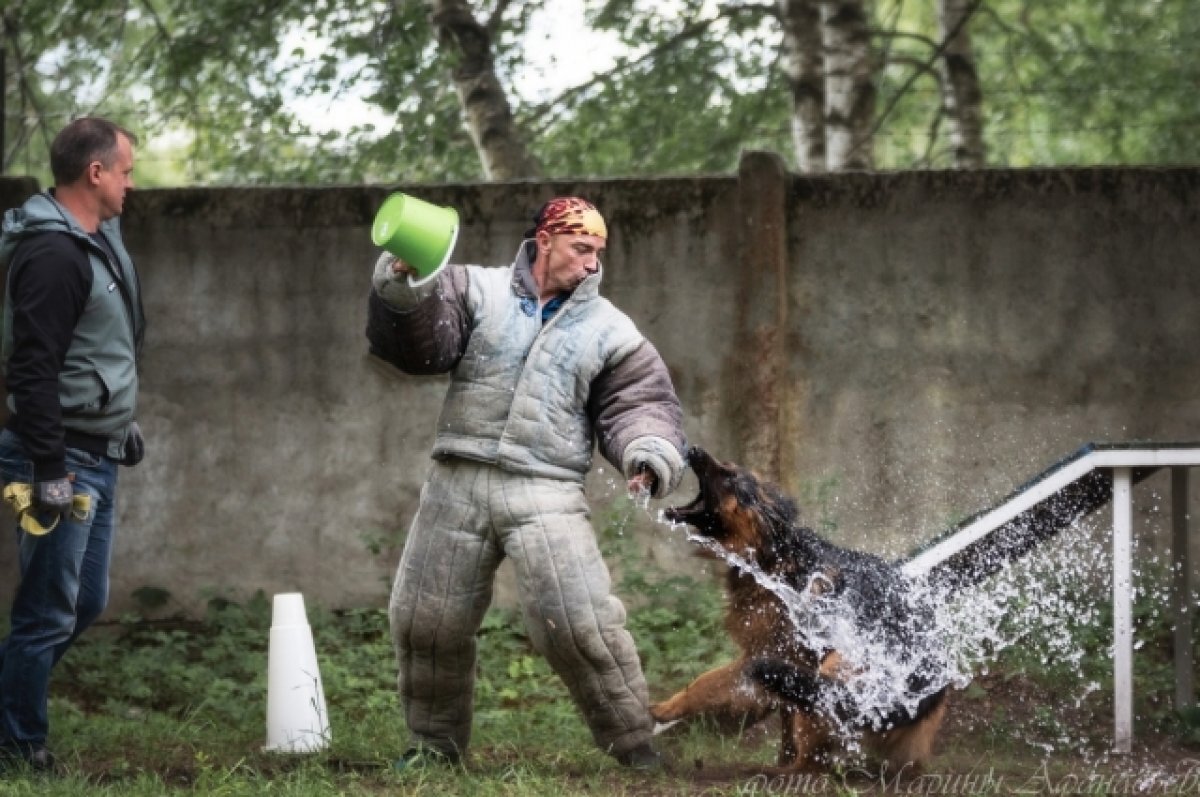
(898, 349)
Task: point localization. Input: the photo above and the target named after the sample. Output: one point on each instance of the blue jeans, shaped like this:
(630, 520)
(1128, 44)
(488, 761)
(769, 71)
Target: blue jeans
(64, 587)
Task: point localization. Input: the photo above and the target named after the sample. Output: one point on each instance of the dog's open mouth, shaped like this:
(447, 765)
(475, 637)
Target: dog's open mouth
(696, 513)
(689, 513)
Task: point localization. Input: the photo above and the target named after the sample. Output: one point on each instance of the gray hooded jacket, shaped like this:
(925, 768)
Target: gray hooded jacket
(97, 306)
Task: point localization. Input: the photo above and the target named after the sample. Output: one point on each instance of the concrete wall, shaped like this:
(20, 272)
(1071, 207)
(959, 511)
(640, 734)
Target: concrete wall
(899, 350)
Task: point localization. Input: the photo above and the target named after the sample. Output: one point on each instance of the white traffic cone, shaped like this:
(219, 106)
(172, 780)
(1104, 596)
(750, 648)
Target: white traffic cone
(296, 718)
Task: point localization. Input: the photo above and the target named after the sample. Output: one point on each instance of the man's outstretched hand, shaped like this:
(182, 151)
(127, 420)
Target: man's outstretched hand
(400, 268)
(390, 277)
(643, 483)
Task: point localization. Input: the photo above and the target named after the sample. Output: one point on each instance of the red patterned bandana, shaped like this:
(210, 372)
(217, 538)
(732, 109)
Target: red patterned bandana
(570, 215)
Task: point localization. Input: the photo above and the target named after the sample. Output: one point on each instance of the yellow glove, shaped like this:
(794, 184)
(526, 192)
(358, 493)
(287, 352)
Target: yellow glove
(19, 496)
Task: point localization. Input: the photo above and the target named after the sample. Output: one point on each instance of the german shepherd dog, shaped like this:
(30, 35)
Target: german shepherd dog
(804, 675)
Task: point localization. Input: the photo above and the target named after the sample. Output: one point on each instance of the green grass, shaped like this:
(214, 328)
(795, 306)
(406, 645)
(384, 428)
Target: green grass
(178, 706)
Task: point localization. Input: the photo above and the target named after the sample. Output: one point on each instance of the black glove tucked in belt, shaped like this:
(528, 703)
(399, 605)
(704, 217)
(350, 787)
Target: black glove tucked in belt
(53, 495)
(135, 446)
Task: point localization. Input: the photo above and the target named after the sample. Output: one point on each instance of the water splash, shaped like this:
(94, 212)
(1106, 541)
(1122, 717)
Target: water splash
(1045, 604)
(879, 674)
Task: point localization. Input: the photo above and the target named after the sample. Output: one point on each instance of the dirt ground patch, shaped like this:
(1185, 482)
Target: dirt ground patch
(1002, 736)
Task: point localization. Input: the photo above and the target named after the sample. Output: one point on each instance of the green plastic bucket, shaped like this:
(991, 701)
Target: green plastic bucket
(419, 233)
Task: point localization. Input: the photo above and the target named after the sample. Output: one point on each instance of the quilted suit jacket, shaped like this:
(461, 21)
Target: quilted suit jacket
(533, 398)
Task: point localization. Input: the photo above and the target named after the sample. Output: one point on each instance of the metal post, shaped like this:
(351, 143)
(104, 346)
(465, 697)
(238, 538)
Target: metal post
(1181, 591)
(1122, 586)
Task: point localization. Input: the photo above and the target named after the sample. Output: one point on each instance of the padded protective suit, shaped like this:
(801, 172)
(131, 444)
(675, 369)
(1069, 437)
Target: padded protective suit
(526, 404)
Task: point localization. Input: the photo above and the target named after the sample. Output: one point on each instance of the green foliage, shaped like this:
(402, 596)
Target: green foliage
(205, 671)
(1102, 82)
(695, 90)
(216, 79)
(219, 92)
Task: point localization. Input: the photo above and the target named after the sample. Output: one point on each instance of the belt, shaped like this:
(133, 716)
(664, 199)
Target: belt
(19, 496)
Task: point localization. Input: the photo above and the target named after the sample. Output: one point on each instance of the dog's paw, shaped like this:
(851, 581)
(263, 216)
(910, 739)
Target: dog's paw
(660, 727)
(665, 713)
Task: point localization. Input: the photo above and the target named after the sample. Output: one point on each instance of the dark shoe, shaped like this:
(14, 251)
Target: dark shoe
(643, 758)
(423, 757)
(41, 760)
(29, 759)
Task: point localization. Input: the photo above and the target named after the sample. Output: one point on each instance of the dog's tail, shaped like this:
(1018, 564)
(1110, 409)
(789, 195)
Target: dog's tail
(816, 693)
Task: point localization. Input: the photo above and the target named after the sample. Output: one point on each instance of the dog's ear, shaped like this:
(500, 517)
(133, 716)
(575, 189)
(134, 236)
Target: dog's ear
(776, 508)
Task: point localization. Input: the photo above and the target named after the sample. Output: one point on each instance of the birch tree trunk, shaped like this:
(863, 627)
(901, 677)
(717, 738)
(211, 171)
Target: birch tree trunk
(849, 85)
(962, 98)
(804, 65)
(500, 144)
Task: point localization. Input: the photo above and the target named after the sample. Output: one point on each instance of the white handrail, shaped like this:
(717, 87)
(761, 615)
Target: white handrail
(985, 524)
(1122, 460)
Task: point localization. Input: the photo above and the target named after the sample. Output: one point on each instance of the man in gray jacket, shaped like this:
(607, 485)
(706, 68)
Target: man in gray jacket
(542, 368)
(73, 326)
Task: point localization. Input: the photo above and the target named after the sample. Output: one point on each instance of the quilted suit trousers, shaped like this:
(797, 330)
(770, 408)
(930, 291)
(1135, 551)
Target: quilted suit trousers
(471, 516)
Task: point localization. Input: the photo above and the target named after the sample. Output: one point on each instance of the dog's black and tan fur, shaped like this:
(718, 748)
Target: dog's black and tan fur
(756, 521)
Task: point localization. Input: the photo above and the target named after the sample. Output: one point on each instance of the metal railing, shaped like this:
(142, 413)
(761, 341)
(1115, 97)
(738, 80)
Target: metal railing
(1095, 475)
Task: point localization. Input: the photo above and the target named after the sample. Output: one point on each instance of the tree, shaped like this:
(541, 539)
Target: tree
(962, 98)
(485, 106)
(803, 62)
(1103, 82)
(226, 84)
(697, 82)
(694, 89)
(208, 69)
(849, 85)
